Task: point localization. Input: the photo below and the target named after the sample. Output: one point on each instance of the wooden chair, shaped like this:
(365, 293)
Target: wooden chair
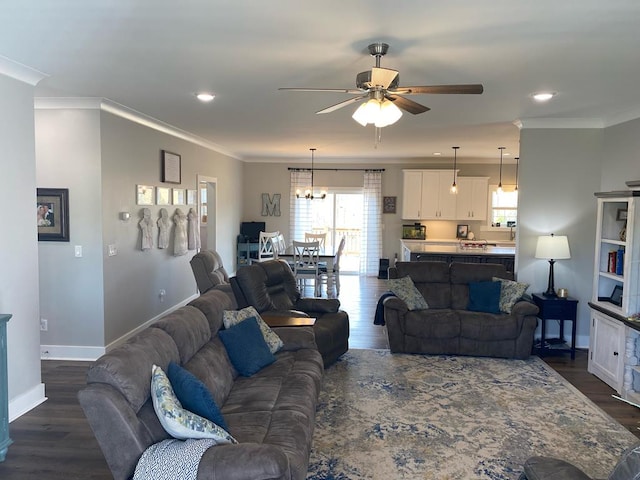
(321, 238)
(305, 264)
(266, 246)
(332, 280)
(280, 245)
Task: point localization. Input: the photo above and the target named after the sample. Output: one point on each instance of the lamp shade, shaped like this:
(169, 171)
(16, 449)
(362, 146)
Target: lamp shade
(555, 247)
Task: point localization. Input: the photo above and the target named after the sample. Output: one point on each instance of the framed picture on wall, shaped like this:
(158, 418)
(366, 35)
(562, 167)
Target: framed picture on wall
(191, 197)
(163, 196)
(52, 214)
(389, 204)
(171, 167)
(144, 194)
(178, 196)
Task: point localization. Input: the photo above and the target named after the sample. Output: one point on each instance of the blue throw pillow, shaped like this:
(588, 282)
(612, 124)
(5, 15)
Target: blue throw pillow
(194, 395)
(484, 297)
(245, 345)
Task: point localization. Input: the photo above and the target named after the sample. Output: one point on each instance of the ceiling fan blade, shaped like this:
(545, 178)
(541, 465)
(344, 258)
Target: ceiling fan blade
(335, 90)
(335, 107)
(408, 105)
(382, 77)
(474, 88)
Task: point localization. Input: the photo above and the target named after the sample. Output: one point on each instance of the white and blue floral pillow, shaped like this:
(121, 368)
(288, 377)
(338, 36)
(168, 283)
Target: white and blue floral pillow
(233, 317)
(178, 422)
(510, 293)
(405, 290)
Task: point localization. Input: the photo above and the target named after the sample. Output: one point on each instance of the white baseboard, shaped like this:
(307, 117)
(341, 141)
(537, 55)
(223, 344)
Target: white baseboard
(23, 403)
(70, 352)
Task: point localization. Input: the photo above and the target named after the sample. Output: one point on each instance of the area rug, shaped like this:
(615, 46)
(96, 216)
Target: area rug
(396, 416)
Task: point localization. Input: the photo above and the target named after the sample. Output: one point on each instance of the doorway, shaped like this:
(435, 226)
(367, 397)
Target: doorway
(207, 211)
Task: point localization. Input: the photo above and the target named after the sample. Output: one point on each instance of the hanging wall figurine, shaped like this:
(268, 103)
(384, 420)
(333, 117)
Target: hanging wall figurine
(146, 227)
(164, 225)
(180, 235)
(193, 232)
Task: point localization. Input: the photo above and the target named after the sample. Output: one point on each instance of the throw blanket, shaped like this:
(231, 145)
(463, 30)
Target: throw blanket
(172, 459)
(378, 318)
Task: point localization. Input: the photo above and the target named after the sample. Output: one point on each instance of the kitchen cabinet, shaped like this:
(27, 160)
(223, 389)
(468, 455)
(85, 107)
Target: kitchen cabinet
(472, 200)
(426, 195)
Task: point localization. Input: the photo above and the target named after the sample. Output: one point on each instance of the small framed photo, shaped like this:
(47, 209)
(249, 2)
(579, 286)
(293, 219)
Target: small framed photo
(171, 167)
(389, 204)
(163, 196)
(621, 214)
(462, 231)
(144, 194)
(616, 295)
(52, 214)
(191, 197)
(178, 196)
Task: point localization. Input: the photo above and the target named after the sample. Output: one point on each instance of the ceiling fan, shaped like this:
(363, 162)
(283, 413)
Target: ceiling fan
(380, 87)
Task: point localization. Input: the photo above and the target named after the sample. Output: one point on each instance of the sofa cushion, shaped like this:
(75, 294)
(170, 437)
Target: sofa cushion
(405, 289)
(177, 421)
(484, 297)
(189, 329)
(212, 304)
(488, 327)
(510, 293)
(248, 351)
(233, 317)
(194, 395)
(441, 323)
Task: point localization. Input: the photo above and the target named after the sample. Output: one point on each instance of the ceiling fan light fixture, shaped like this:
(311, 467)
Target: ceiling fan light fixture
(388, 114)
(380, 113)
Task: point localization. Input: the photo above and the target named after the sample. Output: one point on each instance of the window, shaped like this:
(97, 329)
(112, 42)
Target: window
(503, 208)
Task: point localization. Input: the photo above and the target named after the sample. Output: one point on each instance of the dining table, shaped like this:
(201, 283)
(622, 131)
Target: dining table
(326, 258)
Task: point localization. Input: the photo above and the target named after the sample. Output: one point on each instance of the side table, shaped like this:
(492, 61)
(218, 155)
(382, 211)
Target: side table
(5, 441)
(563, 310)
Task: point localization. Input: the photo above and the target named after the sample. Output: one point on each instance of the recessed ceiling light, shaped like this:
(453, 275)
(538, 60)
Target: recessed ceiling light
(205, 97)
(437, 154)
(542, 97)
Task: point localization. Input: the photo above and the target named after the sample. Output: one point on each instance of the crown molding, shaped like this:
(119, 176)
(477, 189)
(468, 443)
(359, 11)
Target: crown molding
(622, 117)
(20, 72)
(114, 108)
(559, 123)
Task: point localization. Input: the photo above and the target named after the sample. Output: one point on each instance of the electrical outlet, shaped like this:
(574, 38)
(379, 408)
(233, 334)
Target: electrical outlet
(162, 294)
(44, 325)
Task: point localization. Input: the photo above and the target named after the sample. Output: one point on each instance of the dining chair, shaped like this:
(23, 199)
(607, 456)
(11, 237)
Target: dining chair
(280, 246)
(316, 237)
(266, 246)
(305, 264)
(332, 279)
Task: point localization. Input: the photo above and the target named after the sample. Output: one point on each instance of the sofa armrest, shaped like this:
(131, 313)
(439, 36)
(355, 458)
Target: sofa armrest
(549, 468)
(395, 303)
(321, 305)
(524, 308)
(296, 338)
(244, 461)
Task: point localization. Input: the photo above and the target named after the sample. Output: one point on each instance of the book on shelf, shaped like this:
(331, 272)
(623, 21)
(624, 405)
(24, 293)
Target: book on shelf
(619, 261)
(612, 261)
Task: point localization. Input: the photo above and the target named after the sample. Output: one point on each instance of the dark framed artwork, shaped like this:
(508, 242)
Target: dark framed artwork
(462, 231)
(52, 214)
(616, 296)
(389, 204)
(171, 167)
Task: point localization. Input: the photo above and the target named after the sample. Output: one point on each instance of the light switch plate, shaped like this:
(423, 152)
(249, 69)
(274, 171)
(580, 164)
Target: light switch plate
(113, 251)
(78, 251)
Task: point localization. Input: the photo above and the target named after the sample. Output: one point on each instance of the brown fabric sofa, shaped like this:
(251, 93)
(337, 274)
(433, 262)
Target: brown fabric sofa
(270, 287)
(271, 413)
(447, 327)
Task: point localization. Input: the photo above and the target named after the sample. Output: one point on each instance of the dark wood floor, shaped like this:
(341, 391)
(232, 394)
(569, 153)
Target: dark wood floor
(54, 441)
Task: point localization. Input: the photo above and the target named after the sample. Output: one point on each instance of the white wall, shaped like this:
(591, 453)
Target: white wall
(560, 171)
(19, 291)
(621, 156)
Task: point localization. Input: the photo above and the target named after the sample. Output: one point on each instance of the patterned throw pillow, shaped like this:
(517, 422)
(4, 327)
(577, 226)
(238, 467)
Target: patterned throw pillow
(178, 422)
(510, 293)
(405, 290)
(233, 317)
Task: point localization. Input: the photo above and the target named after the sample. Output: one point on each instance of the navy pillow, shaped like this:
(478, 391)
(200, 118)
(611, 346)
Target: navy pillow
(194, 395)
(484, 297)
(245, 345)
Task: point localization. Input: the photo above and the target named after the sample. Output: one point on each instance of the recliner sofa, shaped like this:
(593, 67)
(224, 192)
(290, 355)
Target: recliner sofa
(271, 288)
(447, 327)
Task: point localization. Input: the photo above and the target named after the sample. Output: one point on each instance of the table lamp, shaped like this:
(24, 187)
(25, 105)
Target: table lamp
(552, 248)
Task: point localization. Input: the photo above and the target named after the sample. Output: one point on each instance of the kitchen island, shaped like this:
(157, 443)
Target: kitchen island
(458, 251)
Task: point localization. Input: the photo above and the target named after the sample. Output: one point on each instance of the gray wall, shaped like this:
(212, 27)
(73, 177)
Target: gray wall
(560, 171)
(19, 291)
(621, 156)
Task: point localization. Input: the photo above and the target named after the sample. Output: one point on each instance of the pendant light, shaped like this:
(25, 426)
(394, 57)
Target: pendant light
(454, 185)
(500, 182)
(517, 165)
(308, 194)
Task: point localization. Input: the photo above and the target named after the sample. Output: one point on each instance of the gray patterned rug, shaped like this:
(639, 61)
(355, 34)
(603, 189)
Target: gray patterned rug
(384, 416)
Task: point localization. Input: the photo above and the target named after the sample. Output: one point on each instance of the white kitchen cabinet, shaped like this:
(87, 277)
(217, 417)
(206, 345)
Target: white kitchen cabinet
(426, 195)
(472, 201)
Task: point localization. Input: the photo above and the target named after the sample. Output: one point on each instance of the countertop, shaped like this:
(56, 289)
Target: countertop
(455, 248)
